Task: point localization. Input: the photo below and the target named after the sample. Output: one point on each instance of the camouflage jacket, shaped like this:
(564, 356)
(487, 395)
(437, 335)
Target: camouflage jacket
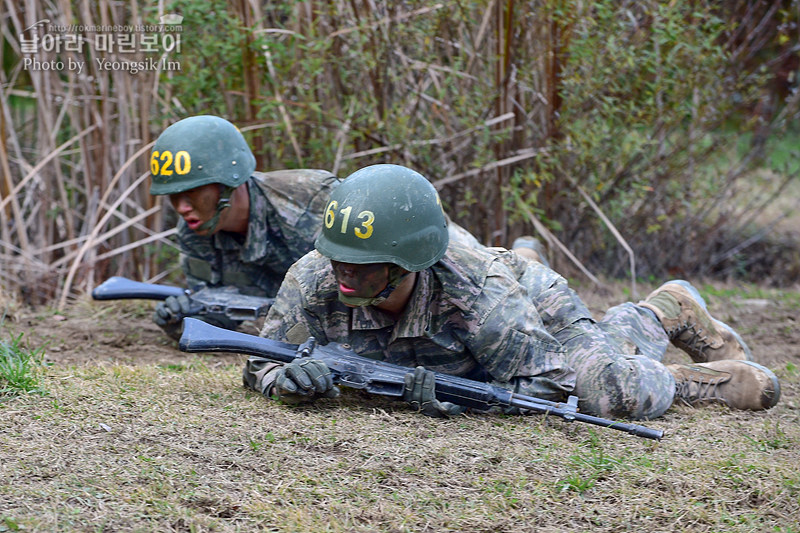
(481, 313)
(286, 209)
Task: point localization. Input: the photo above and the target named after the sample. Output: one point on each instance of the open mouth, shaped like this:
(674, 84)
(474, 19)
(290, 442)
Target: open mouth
(193, 223)
(344, 289)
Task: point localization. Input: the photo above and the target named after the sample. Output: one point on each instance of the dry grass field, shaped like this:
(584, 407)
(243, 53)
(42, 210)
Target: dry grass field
(133, 435)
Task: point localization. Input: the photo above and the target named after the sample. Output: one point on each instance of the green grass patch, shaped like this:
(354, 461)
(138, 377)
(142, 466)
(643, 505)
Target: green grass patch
(750, 291)
(19, 368)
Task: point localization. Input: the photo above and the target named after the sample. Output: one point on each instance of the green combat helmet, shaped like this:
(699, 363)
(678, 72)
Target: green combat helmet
(197, 151)
(384, 214)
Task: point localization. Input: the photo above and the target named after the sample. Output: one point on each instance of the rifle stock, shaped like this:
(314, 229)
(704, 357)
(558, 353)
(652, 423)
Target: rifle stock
(119, 288)
(210, 301)
(349, 369)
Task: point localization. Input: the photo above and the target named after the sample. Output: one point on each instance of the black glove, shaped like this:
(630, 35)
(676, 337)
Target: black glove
(304, 381)
(169, 314)
(420, 392)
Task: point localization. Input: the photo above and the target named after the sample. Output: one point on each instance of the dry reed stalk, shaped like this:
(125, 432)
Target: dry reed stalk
(615, 232)
(96, 241)
(98, 110)
(341, 137)
(502, 42)
(551, 239)
(34, 171)
(136, 244)
(248, 13)
(385, 21)
(31, 261)
(6, 185)
(98, 225)
(284, 114)
(482, 31)
(494, 165)
(11, 198)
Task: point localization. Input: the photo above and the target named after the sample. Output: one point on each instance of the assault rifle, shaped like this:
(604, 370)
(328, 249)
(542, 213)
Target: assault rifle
(349, 369)
(210, 302)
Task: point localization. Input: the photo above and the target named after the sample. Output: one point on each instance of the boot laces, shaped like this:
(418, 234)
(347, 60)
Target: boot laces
(692, 390)
(695, 342)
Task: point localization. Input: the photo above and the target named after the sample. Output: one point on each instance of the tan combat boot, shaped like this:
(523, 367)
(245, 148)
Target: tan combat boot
(530, 248)
(684, 315)
(737, 384)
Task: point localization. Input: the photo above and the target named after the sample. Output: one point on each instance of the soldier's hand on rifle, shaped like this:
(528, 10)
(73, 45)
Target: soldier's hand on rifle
(420, 392)
(304, 381)
(169, 314)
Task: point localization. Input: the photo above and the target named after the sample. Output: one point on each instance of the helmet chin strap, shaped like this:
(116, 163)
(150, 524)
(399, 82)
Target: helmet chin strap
(223, 203)
(396, 277)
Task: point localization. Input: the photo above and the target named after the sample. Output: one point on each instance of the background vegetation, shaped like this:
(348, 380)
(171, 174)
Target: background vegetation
(644, 138)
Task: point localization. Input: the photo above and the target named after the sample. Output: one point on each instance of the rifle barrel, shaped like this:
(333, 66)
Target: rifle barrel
(543, 406)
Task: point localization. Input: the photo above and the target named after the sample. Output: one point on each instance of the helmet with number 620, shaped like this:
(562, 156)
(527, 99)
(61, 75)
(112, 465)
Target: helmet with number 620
(384, 214)
(197, 151)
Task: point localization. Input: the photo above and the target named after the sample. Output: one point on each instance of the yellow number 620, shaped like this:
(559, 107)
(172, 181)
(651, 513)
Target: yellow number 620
(161, 163)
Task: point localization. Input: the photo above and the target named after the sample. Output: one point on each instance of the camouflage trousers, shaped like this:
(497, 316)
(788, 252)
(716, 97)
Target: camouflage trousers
(618, 363)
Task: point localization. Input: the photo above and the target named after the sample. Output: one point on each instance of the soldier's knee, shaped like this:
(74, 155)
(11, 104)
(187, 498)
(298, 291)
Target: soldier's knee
(631, 387)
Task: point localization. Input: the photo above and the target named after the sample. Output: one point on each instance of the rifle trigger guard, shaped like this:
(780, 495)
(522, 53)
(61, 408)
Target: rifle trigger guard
(353, 381)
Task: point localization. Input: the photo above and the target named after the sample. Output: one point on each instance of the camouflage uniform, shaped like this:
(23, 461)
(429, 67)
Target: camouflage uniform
(471, 315)
(286, 209)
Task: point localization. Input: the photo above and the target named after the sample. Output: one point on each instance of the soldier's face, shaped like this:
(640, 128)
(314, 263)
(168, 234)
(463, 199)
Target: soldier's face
(197, 205)
(361, 281)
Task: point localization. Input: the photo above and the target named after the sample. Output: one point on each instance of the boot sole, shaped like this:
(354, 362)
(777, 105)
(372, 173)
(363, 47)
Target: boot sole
(696, 295)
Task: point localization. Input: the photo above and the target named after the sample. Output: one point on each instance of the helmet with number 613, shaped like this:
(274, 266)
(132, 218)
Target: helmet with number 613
(384, 214)
(197, 151)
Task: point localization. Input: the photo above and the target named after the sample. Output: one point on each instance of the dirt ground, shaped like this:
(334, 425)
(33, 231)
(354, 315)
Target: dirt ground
(128, 440)
(90, 332)
(122, 331)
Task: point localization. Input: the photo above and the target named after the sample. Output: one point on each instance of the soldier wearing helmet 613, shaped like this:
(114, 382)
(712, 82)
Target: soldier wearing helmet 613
(238, 227)
(384, 280)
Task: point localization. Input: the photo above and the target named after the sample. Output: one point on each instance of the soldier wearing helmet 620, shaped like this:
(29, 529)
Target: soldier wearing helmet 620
(238, 227)
(384, 280)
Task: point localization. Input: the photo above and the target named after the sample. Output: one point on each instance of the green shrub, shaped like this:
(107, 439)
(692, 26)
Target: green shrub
(658, 107)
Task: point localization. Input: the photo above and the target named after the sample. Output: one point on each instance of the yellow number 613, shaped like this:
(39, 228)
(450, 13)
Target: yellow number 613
(362, 231)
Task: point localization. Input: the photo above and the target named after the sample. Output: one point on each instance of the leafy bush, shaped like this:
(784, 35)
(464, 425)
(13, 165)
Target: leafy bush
(652, 94)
